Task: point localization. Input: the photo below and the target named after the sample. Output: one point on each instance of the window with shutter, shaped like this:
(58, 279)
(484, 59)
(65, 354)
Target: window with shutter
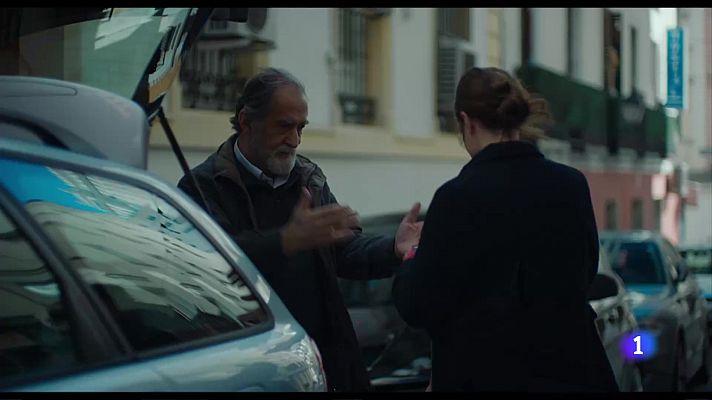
(356, 38)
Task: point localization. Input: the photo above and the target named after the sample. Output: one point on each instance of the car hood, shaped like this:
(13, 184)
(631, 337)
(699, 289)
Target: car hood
(647, 299)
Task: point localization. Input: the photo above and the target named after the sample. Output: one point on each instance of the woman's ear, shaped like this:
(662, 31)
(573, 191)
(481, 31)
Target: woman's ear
(466, 123)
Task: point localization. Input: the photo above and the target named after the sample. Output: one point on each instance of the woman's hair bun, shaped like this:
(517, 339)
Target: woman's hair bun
(512, 111)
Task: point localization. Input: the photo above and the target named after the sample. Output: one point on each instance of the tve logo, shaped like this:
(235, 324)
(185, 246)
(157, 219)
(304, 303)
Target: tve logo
(639, 345)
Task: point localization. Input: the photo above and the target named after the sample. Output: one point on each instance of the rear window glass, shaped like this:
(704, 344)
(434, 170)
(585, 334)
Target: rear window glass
(161, 279)
(637, 262)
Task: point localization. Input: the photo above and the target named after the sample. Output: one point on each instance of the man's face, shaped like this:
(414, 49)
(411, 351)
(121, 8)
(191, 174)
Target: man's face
(272, 142)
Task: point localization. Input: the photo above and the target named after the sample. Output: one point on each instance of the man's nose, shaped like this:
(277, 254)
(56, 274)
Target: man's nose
(293, 138)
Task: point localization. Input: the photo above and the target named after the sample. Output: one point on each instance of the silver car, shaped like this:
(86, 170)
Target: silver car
(110, 278)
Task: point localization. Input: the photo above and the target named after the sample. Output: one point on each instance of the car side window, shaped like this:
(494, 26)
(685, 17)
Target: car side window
(35, 333)
(638, 262)
(699, 261)
(161, 279)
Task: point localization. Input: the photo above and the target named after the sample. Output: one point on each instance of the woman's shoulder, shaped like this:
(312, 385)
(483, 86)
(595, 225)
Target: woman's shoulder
(565, 171)
(453, 186)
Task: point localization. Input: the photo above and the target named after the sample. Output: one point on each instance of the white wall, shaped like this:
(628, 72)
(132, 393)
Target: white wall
(662, 19)
(377, 185)
(163, 163)
(639, 18)
(698, 219)
(694, 118)
(549, 49)
(549, 34)
(479, 35)
(370, 185)
(303, 43)
(512, 39)
(591, 51)
(413, 71)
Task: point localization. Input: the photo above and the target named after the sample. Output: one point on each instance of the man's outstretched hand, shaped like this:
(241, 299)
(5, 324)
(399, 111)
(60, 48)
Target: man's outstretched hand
(310, 228)
(408, 233)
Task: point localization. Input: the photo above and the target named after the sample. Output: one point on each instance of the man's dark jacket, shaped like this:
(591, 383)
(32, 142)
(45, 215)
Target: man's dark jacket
(500, 279)
(365, 257)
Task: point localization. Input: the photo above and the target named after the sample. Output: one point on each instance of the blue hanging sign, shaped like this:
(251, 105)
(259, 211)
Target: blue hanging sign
(676, 75)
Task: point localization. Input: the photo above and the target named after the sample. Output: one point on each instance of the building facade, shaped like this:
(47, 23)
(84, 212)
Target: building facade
(380, 84)
(694, 145)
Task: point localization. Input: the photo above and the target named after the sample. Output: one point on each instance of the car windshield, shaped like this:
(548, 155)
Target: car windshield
(109, 48)
(698, 261)
(636, 262)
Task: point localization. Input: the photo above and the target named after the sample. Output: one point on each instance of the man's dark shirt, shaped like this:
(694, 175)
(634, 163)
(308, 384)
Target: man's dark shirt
(297, 283)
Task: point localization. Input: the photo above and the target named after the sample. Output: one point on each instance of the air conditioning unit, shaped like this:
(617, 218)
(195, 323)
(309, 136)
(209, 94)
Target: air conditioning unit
(259, 29)
(455, 57)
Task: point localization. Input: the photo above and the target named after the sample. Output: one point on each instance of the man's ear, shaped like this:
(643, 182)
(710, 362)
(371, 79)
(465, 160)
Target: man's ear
(243, 122)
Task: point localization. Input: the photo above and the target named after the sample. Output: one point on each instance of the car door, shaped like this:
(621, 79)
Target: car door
(691, 302)
(50, 338)
(613, 321)
(181, 308)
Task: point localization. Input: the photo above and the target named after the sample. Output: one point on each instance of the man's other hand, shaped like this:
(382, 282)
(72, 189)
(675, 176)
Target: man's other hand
(408, 233)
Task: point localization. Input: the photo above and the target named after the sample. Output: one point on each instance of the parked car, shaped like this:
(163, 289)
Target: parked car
(699, 262)
(110, 278)
(113, 280)
(615, 321)
(399, 356)
(667, 302)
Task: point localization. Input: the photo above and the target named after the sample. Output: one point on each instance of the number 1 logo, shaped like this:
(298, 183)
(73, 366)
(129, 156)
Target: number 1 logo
(637, 345)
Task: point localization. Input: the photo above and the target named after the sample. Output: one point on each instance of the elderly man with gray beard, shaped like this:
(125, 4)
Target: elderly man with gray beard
(277, 206)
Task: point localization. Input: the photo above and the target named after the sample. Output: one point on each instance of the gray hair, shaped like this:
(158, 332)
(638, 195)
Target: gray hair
(256, 98)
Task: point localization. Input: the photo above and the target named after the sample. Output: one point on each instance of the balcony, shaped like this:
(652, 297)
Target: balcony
(585, 115)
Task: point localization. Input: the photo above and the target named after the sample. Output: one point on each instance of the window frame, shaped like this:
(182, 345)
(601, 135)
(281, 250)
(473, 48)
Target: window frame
(358, 95)
(637, 213)
(144, 183)
(93, 341)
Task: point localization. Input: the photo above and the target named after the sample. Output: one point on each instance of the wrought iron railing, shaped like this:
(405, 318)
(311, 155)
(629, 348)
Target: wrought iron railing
(209, 91)
(586, 115)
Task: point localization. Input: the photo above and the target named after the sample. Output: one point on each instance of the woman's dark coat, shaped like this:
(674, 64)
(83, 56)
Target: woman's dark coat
(508, 251)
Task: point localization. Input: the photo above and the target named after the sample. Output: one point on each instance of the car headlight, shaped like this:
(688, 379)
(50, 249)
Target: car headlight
(314, 376)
